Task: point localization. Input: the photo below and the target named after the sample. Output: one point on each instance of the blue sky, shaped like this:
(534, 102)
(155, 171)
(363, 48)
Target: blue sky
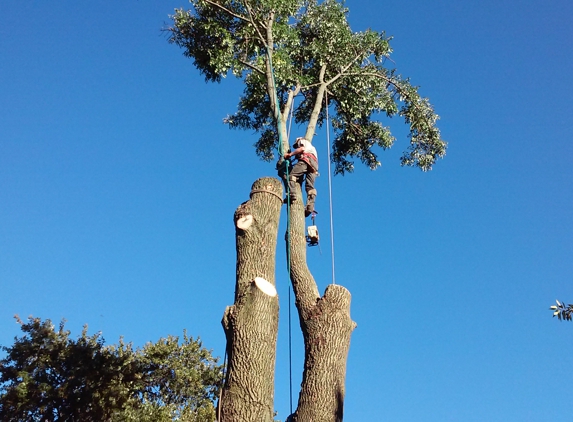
(118, 183)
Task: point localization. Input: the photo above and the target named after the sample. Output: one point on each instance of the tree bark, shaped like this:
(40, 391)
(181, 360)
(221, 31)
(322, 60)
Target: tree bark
(251, 324)
(326, 326)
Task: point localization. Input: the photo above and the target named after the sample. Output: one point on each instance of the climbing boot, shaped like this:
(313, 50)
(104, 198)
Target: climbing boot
(290, 198)
(310, 198)
(309, 210)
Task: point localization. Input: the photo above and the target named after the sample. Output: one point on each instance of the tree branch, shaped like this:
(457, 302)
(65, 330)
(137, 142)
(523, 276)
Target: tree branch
(230, 12)
(250, 66)
(292, 93)
(344, 69)
(271, 84)
(310, 129)
(305, 87)
(252, 22)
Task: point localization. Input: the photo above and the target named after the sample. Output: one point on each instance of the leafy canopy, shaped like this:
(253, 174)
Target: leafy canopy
(306, 49)
(48, 376)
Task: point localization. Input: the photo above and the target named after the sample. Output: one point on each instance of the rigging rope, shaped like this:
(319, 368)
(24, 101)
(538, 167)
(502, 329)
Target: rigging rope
(329, 186)
(289, 293)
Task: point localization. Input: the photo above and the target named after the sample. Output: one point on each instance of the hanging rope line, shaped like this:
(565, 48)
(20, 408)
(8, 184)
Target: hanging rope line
(290, 344)
(289, 291)
(288, 196)
(222, 386)
(329, 186)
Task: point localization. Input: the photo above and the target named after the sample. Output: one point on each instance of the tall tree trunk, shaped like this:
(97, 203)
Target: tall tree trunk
(326, 326)
(251, 324)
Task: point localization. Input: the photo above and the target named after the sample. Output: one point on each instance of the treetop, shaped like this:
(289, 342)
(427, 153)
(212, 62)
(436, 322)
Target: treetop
(303, 55)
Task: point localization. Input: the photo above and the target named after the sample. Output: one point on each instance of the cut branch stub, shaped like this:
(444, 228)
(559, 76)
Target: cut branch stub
(244, 222)
(265, 287)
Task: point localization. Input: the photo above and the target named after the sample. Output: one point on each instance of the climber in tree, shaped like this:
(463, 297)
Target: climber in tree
(306, 168)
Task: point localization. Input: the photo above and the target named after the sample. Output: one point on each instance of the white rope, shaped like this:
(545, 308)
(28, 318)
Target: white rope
(290, 121)
(290, 287)
(330, 187)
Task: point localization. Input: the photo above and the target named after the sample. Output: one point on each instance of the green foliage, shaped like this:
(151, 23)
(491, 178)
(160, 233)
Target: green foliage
(47, 376)
(317, 56)
(562, 311)
(182, 378)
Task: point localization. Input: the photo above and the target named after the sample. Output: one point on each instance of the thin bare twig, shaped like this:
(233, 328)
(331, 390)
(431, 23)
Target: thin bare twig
(230, 12)
(250, 66)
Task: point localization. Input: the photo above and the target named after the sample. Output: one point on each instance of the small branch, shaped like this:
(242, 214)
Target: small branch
(250, 66)
(337, 76)
(310, 86)
(230, 12)
(271, 83)
(252, 22)
(344, 69)
(292, 93)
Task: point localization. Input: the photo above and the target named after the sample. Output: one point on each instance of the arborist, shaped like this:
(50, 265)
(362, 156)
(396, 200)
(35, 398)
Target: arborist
(306, 168)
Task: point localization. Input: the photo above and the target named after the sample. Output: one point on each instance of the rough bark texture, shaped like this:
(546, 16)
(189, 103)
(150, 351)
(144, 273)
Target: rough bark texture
(326, 326)
(251, 324)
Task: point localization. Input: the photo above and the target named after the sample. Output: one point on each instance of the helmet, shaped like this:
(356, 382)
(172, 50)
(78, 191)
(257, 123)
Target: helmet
(300, 138)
